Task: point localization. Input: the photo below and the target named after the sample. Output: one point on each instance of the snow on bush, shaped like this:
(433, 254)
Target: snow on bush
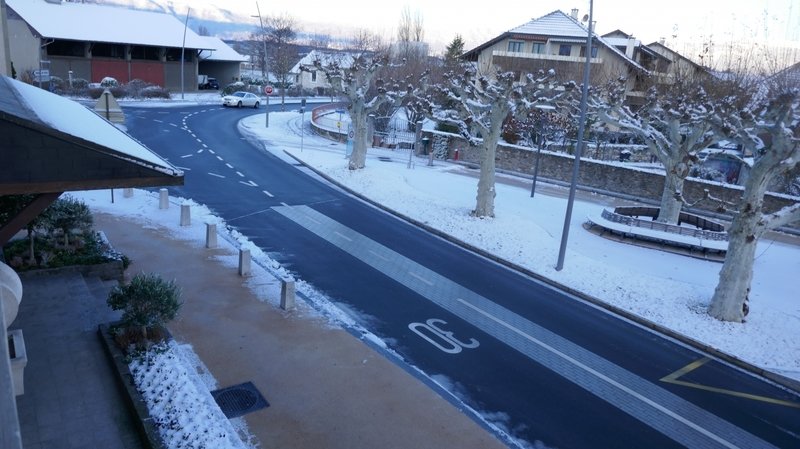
(109, 82)
(183, 411)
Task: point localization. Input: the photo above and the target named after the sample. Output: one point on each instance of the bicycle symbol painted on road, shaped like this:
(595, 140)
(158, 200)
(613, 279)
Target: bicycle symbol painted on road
(440, 338)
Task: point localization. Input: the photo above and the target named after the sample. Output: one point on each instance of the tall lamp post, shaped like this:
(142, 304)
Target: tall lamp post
(266, 67)
(183, 50)
(581, 125)
(544, 122)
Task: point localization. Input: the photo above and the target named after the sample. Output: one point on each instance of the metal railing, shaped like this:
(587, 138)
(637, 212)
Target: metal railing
(628, 216)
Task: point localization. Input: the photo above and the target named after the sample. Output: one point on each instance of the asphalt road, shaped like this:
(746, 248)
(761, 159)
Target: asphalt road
(545, 368)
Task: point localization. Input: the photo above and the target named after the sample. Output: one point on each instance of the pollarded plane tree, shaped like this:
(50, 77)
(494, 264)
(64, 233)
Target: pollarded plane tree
(675, 123)
(771, 131)
(477, 105)
(356, 82)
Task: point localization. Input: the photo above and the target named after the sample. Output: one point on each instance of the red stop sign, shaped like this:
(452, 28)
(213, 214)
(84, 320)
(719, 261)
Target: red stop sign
(267, 90)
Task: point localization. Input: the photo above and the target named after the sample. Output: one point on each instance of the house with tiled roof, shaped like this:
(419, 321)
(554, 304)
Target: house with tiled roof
(307, 77)
(558, 41)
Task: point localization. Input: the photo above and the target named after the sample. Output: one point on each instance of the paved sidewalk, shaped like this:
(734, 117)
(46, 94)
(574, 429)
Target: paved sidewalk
(326, 389)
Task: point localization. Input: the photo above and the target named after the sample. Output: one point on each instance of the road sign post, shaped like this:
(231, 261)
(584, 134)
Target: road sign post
(267, 91)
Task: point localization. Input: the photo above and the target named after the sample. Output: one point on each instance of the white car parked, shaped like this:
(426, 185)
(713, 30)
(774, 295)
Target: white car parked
(239, 99)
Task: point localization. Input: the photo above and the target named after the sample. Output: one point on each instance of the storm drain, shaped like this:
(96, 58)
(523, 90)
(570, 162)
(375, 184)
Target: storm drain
(239, 399)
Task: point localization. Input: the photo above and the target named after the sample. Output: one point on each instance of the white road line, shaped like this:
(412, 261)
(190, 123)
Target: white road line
(183, 168)
(158, 121)
(380, 256)
(268, 194)
(249, 183)
(239, 173)
(600, 375)
(192, 134)
(172, 124)
(218, 176)
(199, 151)
(199, 141)
(210, 151)
(229, 165)
(343, 236)
(205, 146)
(284, 204)
(220, 158)
(420, 278)
(187, 155)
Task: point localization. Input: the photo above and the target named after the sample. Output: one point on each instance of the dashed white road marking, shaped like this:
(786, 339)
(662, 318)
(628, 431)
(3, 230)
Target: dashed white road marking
(199, 151)
(379, 256)
(186, 155)
(268, 194)
(239, 173)
(249, 183)
(210, 151)
(343, 236)
(199, 141)
(420, 278)
(220, 158)
(229, 165)
(158, 121)
(218, 176)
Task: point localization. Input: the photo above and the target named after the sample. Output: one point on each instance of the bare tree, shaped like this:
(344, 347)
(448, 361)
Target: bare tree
(479, 105)
(355, 82)
(281, 32)
(366, 41)
(772, 133)
(675, 123)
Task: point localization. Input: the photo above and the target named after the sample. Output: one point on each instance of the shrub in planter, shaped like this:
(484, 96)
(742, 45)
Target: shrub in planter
(148, 302)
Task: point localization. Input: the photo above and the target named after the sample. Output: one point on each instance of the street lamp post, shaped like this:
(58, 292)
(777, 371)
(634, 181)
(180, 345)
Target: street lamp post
(581, 125)
(183, 49)
(544, 122)
(266, 66)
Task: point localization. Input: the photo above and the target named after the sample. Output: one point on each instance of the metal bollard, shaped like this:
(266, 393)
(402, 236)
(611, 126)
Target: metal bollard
(244, 262)
(287, 294)
(163, 199)
(211, 235)
(186, 216)
(127, 193)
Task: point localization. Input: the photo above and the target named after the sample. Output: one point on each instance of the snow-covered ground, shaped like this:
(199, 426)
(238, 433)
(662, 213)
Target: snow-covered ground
(667, 289)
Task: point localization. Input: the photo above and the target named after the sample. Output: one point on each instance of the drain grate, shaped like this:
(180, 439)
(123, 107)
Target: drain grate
(239, 399)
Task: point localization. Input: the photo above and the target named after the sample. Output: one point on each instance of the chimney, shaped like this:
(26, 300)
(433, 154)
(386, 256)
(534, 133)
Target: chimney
(662, 40)
(630, 46)
(574, 13)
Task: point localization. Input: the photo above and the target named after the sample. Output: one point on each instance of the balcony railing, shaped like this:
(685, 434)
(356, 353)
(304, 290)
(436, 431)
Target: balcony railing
(543, 56)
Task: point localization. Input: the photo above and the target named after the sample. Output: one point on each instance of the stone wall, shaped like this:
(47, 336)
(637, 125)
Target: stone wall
(639, 183)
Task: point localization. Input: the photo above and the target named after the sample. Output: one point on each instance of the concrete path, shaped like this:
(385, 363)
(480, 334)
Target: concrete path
(326, 388)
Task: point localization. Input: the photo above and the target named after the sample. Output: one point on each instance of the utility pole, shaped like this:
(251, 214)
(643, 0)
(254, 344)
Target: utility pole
(183, 50)
(266, 66)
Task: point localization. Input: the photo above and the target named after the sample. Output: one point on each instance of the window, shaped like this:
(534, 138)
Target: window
(564, 50)
(174, 54)
(144, 52)
(108, 50)
(515, 46)
(66, 48)
(583, 52)
(538, 47)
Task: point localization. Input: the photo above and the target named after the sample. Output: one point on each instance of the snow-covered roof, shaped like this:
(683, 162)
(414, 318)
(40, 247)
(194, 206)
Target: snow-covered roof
(99, 23)
(560, 27)
(34, 105)
(221, 51)
(345, 59)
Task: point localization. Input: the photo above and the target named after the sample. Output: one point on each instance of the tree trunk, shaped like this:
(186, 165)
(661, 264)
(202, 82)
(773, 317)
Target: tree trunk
(670, 205)
(358, 158)
(736, 275)
(484, 206)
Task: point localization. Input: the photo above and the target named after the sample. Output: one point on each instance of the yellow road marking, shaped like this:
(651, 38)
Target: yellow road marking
(673, 379)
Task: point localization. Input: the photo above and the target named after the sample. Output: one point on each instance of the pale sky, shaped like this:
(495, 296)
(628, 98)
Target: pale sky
(690, 21)
(443, 19)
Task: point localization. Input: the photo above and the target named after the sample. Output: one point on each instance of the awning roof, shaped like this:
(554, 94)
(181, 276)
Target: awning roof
(53, 144)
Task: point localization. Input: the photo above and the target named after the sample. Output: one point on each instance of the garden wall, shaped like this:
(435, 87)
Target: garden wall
(639, 183)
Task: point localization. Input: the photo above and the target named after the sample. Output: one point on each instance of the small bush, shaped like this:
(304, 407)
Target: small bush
(233, 87)
(109, 82)
(147, 302)
(154, 92)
